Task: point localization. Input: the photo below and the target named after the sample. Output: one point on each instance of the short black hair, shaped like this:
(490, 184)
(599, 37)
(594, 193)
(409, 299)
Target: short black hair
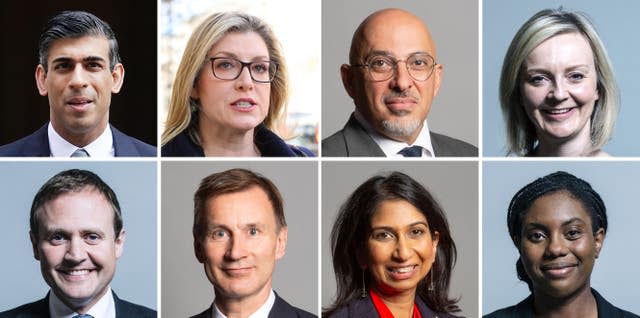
(552, 183)
(75, 24)
(73, 180)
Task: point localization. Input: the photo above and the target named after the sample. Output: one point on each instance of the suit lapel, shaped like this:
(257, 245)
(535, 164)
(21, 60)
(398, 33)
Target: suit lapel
(358, 141)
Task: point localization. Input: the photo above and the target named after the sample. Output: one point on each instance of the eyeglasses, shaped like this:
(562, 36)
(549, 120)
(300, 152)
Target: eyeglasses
(228, 68)
(382, 67)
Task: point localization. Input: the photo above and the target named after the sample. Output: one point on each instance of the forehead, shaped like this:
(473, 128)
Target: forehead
(566, 48)
(241, 44)
(555, 209)
(396, 213)
(398, 33)
(87, 208)
(80, 47)
(244, 207)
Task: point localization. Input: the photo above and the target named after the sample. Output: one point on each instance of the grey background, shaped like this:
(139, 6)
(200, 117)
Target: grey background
(135, 186)
(615, 274)
(455, 187)
(454, 28)
(616, 23)
(187, 291)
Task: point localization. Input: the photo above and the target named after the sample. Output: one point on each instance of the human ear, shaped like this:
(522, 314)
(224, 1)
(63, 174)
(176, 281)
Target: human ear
(34, 245)
(120, 243)
(599, 240)
(281, 242)
(118, 78)
(41, 76)
(437, 78)
(346, 73)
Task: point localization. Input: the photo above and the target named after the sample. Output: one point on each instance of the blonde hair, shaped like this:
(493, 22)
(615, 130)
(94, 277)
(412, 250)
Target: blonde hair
(183, 110)
(521, 133)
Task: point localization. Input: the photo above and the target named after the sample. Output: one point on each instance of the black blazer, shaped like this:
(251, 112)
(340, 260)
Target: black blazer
(40, 309)
(363, 307)
(280, 309)
(524, 309)
(269, 144)
(37, 145)
(354, 141)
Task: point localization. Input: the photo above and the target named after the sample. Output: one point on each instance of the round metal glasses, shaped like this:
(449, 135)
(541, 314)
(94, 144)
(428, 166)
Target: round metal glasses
(420, 66)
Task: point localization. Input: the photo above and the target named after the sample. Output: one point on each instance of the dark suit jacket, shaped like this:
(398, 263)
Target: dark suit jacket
(354, 141)
(40, 309)
(269, 144)
(280, 309)
(363, 307)
(37, 145)
(524, 309)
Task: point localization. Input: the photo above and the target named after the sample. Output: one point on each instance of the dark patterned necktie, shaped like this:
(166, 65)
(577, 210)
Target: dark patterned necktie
(413, 151)
(82, 316)
(80, 153)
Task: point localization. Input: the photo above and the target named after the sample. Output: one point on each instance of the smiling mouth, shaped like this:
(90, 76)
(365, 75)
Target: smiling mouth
(401, 273)
(558, 271)
(75, 274)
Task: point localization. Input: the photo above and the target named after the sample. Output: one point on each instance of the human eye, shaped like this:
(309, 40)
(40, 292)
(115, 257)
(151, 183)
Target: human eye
(380, 63)
(92, 238)
(573, 234)
(416, 232)
(219, 234)
(536, 80)
(94, 66)
(419, 62)
(260, 67)
(225, 64)
(382, 235)
(536, 236)
(576, 76)
(57, 238)
(253, 231)
(62, 66)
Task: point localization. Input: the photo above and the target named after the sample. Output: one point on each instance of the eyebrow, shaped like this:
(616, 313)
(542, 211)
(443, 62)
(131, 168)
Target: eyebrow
(385, 227)
(91, 58)
(544, 70)
(235, 56)
(565, 223)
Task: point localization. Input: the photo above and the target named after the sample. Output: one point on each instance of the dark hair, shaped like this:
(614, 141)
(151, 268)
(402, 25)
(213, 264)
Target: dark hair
(74, 180)
(75, 24)
(552, 183)
(353, 226)
(231, 181)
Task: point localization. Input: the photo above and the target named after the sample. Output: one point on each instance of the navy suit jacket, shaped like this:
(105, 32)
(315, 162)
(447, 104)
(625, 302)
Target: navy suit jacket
(37, 145)
(354, 141)
(280, 309)
(524, 309)
(40, 309)
(363, 307)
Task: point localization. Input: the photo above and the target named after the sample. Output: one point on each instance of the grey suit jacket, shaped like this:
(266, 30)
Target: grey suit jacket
(354, 141)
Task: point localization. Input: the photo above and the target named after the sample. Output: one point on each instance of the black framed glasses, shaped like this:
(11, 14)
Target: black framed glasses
(229, 68)
(382, 67)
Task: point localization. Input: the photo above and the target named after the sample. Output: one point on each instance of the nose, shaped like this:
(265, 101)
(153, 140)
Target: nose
(76, 250)
(559, 91)
(556, 247)
(403, 249)
(78, 77)
(401, 79)
(244, 82)
(237, 249)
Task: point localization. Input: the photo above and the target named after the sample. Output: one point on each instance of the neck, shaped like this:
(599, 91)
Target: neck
(80, 139)
(227, 143)
(581, 304)
(82, 306)
(242, 307)
(575, 146)
(400, 304)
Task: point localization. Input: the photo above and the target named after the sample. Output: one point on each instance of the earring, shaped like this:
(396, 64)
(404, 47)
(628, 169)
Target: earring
(363, 291)
(431, 287)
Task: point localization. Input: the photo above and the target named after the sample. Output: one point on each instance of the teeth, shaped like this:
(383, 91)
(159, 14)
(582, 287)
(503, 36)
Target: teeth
(78, 272)
(243, 104)
(402, 270)
(559, 111)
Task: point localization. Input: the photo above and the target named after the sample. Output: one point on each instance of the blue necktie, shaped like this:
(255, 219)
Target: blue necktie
(80, 153)
(413, 151)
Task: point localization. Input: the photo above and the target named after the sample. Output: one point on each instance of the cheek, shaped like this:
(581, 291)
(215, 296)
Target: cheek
(532, 97)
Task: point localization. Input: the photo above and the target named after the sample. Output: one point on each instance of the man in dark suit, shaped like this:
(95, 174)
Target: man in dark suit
(79, 69)
(239, 231)
(392, 78)
(77, 236)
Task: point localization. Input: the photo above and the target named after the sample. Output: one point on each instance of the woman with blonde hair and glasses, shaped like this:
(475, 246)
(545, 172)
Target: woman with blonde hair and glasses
(557, 88)
(230, 92)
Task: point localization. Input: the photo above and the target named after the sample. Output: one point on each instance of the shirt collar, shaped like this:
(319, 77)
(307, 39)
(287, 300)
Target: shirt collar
(262, 312)
(99, 148)
(391, 147)
(105, 307)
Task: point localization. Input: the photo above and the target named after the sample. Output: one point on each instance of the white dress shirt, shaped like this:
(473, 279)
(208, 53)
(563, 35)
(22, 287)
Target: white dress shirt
(262, 312)
(100, 148)
(391, 147)
(104, 308)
